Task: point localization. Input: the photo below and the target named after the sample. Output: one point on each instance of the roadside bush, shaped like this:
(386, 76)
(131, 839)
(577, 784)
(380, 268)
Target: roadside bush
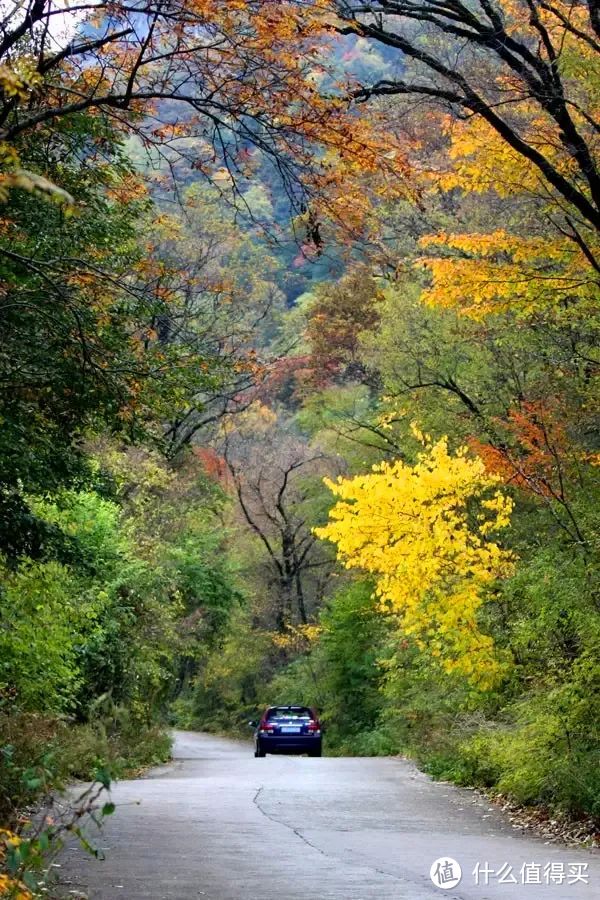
(40, 754)
(29, 763)
(183, 713)
(378, 741)
(548, 750)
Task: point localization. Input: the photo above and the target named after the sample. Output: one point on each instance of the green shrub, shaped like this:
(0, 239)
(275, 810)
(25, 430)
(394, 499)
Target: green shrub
(40, 754)
(374, 742)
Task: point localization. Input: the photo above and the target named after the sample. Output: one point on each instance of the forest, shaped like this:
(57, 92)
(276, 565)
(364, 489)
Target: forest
(299, 357)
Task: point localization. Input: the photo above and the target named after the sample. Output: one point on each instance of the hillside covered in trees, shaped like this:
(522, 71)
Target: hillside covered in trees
(299, 333)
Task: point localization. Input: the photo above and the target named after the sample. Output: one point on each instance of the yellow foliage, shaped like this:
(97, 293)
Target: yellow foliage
(412, 527)
(481, 274)
(297, 638)
(11, 887)
(19, 79)
(486, 273)
(481, 160)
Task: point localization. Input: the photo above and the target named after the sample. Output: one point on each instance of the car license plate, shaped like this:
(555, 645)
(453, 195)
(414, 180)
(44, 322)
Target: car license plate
(287, 729)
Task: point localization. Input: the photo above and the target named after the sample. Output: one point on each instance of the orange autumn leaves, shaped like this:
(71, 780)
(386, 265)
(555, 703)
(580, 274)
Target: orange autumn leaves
(243, 73)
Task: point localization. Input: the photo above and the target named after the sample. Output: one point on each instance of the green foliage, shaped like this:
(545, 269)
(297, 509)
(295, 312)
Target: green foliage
(90, 649)
(550, 611)
(60, 369)
(353, 632)
(340, 678)
(91, 524)
(226, 692)
(39, 634)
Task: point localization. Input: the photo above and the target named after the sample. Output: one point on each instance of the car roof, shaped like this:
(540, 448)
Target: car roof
(289, 706)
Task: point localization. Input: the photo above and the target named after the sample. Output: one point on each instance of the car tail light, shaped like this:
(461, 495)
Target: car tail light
(266, 726)
(313, 727)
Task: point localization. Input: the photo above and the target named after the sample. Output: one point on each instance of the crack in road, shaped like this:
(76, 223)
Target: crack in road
(206, 821)
(284, 824)
(340, 859)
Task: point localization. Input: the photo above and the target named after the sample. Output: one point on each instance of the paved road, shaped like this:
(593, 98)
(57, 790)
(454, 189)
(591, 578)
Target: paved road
(221, 825)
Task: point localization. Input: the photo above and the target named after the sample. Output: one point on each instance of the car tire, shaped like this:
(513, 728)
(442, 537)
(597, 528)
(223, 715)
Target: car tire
(259, 753)
(315, 752)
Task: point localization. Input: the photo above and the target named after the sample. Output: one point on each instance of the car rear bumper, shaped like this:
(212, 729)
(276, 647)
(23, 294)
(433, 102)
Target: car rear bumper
(289, 743)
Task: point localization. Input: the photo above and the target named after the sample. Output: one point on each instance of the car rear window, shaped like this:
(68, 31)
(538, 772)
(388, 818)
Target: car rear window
(289, 712)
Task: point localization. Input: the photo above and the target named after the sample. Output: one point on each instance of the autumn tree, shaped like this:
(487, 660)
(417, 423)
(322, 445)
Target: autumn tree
(204, 79)
(516, 74)
(534, 448)
(511, 87)
(102, 326)
(410, 527)
(226, 305)
(275, 476)
(336, 317)
(522, 391)
(227, 75)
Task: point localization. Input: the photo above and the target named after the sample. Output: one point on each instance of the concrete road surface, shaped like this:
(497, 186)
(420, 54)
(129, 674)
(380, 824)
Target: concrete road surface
(221, 825)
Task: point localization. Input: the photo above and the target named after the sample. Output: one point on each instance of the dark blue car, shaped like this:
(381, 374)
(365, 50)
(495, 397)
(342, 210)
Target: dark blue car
(288, 729)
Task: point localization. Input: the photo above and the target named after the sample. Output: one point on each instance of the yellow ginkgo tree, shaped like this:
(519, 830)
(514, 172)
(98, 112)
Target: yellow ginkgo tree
(425, 532)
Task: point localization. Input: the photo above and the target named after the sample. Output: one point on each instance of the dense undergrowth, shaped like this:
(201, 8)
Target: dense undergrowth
(42, 755)
(96, 644)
